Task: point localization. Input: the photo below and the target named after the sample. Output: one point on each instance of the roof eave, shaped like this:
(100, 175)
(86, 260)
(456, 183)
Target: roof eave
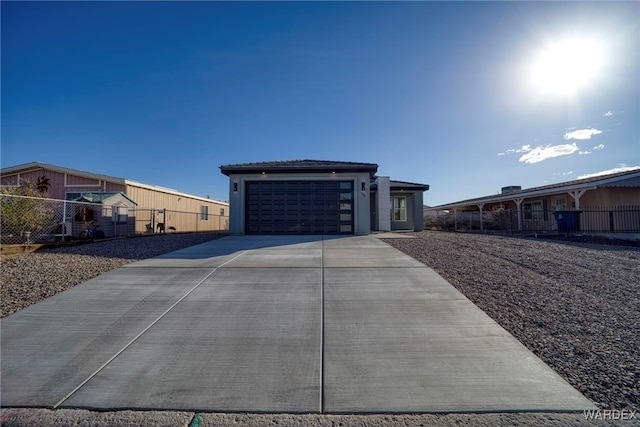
(514, 196)
(410, 188)
(231, 169)
(33, 166)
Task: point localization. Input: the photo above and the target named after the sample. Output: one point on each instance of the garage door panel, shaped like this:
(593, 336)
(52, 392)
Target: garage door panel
(299, 207)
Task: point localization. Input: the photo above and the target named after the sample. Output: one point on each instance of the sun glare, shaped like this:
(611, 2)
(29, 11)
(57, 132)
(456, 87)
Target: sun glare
(566, 67)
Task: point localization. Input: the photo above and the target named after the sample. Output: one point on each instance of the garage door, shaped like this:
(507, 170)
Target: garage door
(299, 207)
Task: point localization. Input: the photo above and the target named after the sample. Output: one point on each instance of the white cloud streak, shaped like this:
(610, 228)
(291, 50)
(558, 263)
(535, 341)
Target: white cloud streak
(596, 148)
(523, 149)
(582, 134)
(541, 153)
(620, 168)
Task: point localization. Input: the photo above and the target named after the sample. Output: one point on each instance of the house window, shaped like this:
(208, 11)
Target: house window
(204, 213)
(561, 203)
(221, 211)
(399, 208)
(534, 211)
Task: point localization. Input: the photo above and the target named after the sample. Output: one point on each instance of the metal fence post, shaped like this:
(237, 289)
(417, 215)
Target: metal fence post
(114, 221)
(64, 220)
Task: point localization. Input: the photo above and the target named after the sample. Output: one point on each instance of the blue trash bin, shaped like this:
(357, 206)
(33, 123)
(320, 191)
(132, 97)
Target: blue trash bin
(568, 221)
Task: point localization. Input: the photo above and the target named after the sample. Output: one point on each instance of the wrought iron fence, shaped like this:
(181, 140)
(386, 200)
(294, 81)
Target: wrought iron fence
(600, 220)
(26, 220)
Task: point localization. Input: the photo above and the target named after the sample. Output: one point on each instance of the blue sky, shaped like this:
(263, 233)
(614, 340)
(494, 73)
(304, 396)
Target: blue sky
(450, 94)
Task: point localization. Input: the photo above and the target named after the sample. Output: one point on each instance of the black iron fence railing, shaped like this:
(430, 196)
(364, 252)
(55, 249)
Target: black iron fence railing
(616, 219)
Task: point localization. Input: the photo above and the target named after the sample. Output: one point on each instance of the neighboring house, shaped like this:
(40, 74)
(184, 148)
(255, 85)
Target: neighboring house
(600, 203)
(150, 205)
(319, 197)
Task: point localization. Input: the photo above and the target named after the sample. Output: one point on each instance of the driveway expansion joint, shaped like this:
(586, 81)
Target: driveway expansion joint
(112, 358)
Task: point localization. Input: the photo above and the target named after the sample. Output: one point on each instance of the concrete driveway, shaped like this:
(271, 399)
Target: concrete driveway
(273, 324)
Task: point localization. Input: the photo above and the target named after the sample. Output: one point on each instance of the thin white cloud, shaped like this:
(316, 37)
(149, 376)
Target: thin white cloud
(541, 153)
(582, 134)
(620, 168)
(523, 149)
(563, 173)
(608, 113)
(596, 148)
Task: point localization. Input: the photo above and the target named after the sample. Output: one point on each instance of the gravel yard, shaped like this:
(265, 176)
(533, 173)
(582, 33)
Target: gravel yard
(575, 305)
(29, 278)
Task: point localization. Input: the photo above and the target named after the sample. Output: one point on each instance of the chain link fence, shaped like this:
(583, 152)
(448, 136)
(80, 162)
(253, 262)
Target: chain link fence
(26, 220)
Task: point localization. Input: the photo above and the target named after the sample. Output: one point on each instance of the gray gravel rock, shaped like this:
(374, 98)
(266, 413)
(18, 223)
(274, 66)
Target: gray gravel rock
(18, 417)
(575, 305)
(32, 277)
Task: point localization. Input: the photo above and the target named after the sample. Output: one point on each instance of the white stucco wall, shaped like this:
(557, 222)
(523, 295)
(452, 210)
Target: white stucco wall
(383, 204)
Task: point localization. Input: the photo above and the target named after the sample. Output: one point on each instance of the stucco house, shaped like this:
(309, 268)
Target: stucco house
(604, 203)
(319, 197)
(139, 208)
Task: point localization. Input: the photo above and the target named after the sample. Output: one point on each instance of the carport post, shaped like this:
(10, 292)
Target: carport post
(519, 205)
(481, 205)
(455, 219)
(576, 197)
